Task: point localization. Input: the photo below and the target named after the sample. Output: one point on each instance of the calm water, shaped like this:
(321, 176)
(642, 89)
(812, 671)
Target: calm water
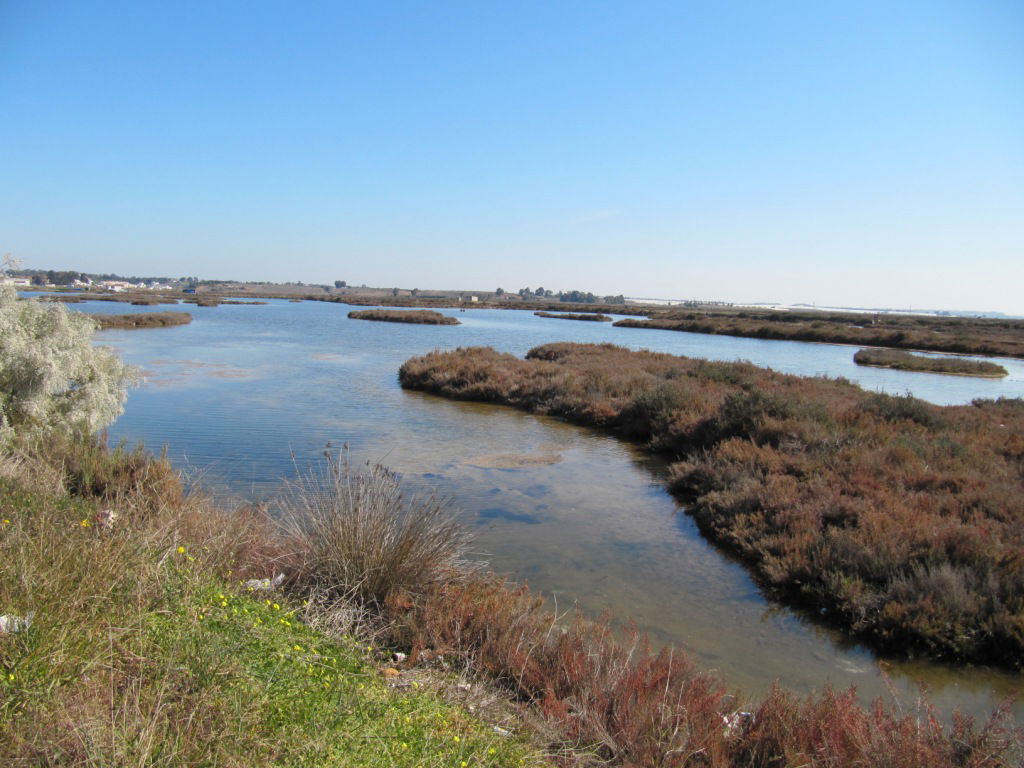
(245, 394)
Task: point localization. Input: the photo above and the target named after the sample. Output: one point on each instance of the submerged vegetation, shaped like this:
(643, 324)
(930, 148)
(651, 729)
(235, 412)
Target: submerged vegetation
(899, 520)
(961, 335)
(905, 361)
(593, 316)
(131, 320)
(419, 317)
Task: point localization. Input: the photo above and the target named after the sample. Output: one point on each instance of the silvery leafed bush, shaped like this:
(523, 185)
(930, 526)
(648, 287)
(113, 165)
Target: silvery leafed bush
(52, 378)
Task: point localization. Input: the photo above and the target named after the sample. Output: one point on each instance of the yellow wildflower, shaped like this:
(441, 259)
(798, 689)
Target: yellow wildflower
(181, 550)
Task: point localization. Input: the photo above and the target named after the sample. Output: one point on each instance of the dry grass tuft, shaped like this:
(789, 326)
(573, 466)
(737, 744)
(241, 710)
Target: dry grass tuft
(356, 533)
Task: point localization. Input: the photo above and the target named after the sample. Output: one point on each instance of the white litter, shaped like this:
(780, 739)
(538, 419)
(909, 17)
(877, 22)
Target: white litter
(736, 721)
(265, 585)
(10, 625)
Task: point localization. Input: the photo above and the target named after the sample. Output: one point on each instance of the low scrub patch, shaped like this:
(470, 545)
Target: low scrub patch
(961, 335)
(905, 361)
(133, 320)
(416, 316)
(899, 520)
(591, 316)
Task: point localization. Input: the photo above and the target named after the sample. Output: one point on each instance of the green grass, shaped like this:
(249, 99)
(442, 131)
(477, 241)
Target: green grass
(147, 650)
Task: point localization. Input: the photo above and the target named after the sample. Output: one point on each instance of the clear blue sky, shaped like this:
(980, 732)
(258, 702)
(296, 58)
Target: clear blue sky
(860, 153)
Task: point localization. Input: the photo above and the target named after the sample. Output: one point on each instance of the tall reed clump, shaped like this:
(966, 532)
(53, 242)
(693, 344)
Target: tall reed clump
(900, 520)
(356, 533)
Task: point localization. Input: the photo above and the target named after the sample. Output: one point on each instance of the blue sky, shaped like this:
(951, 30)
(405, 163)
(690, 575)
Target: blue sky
(863, 153)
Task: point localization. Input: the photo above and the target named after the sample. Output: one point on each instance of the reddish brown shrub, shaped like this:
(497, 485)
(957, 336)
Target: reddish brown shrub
(902, 519)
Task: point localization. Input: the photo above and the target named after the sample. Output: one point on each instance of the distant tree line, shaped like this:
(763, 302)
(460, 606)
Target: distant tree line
(579, 297)
(64, 277)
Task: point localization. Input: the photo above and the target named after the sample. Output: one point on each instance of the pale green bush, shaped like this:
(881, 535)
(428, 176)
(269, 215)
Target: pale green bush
(52, 378)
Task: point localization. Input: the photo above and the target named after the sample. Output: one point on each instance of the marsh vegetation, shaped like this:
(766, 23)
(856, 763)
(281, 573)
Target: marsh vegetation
(960, 335)
(899, 520)
(418, 317)
(901, 360)
(289, 676)
(134, 320)
(592, 316)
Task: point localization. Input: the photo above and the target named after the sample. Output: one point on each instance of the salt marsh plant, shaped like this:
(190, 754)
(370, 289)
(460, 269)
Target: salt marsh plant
(901, 520)
(51, 376)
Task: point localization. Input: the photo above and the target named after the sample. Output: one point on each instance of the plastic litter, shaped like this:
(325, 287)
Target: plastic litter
(10, 624)
(265, 585)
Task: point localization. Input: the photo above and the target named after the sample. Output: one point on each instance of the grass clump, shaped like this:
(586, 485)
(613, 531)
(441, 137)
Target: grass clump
(415, 316)
(355, 533)
(899, 520)
(904, 361)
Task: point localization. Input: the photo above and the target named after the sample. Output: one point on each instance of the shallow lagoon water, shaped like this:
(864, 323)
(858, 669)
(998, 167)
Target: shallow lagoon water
(246, 395)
